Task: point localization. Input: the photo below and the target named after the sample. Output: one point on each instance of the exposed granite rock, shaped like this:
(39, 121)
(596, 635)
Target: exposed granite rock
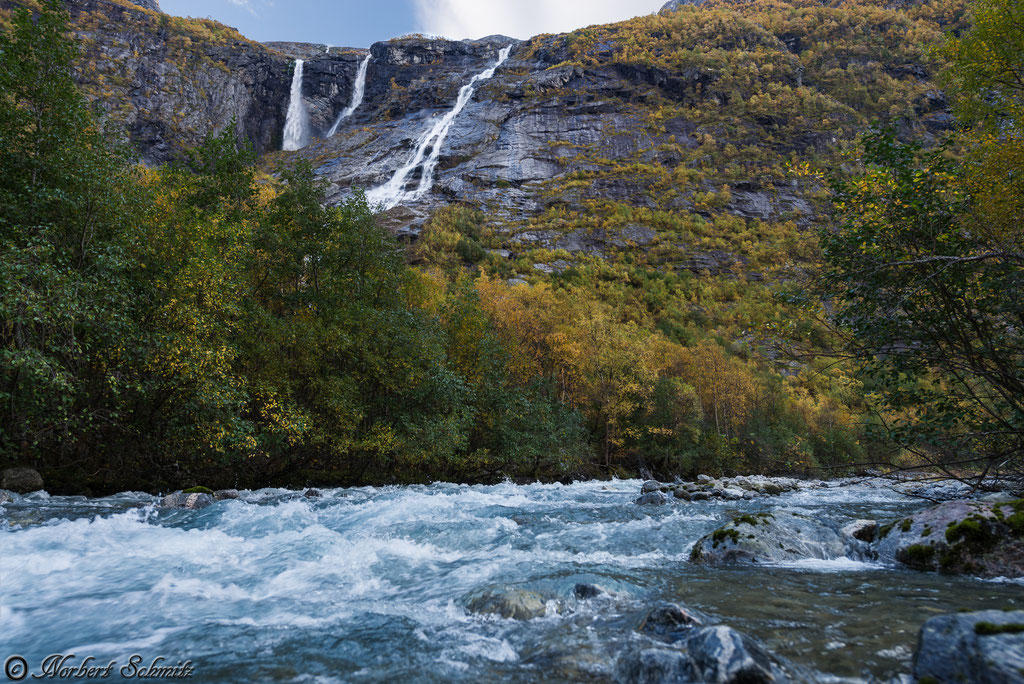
(986, 647)
(547, 114)
(225, 494)
(703, 654)
(669, 619)
(861, 530)
(972, 537)
(192, 502)
(769, 538)
(21, 480)
(168, 85)
(518, 604)
(652, 486)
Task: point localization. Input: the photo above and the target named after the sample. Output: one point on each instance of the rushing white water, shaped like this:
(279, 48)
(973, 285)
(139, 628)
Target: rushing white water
(373, 584)
(296, 124)
(428, 148)
(358, 90)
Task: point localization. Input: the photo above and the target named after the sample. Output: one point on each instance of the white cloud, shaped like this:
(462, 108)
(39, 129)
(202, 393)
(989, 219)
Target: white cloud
(245, 4)
(522, 18)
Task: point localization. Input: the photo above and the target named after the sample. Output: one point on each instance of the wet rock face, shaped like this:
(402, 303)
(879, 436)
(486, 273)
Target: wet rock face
(971, 537)
(696, 653)
(328, 79)
(21, 480)
(769, 538)
(518, 604)
(985, 647)
(167, 88)
(191, 502)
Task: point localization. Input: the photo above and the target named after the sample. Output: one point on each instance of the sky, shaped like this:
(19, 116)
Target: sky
(358, 23)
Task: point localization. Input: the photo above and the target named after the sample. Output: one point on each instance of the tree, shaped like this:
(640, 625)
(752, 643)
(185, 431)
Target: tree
(924, 266)
(66, 302)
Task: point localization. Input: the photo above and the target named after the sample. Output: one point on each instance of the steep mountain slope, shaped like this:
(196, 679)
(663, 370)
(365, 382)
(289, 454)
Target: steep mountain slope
(658, 127)
(169, 82)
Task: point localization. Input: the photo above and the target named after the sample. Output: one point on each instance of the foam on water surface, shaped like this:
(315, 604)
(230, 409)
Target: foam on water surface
(372, 584)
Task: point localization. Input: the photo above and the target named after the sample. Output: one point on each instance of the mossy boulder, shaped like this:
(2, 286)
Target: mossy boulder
(986, 646)
(981, 538)
(21, 480)
(769, 538)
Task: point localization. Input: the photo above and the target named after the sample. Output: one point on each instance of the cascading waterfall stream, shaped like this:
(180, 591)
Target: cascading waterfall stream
(357, 95)
(296, 125)
(428, 149)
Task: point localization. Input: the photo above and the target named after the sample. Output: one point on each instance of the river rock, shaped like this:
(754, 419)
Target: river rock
(651, 486)
(769, 538)
(6, 496)
(313, 494)
(587, 591)
(21, 480)
(225, 494)
(518, 604)
(985, 647)
(862, 530)
(705, 654)
(724, 655)
(192, 502)
(668, 619)
(655, 666)
(651, 499)
(981, 538)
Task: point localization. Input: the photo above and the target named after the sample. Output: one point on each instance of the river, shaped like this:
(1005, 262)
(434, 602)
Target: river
(371, 584)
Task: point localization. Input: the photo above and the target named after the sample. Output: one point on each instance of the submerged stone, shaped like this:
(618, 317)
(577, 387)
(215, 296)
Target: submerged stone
(517, 604)
(651, 499)
(587, 591)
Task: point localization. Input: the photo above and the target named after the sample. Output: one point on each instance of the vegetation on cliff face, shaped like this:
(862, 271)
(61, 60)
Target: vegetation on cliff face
(200, 323)
(208, 322)
(928, 255)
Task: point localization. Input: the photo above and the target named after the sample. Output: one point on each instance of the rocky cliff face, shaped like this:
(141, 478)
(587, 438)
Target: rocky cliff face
(169, 82)
(674, 133)
(603, 140)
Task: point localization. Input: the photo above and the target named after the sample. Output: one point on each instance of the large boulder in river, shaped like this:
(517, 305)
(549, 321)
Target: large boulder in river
(717, 654)
(986, 647)
(21, 480)
(769, 538)
(518, 604)
(982, 538)
(651, 499)
(190, 501)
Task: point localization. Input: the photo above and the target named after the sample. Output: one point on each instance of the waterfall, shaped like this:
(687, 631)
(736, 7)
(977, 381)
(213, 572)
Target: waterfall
(296, 125)
(428, 149)
(357, 95)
